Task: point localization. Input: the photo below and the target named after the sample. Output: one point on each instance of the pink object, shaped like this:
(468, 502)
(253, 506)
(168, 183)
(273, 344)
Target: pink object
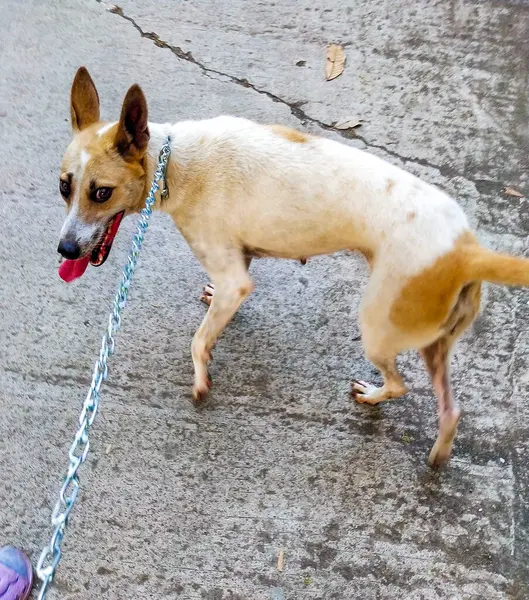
(72, 269)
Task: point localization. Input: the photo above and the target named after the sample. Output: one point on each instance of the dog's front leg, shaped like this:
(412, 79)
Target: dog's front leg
(229, 273)
(209, 288)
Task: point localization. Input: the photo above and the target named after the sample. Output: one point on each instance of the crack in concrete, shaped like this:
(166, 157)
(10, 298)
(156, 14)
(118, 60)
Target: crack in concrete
(482, 185)
(515, 309)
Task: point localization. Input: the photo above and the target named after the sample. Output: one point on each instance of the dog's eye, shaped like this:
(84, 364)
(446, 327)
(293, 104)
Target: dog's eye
(102, 194)
(65, 188)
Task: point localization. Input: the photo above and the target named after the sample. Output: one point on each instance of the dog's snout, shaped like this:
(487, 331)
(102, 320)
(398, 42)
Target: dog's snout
(69, 249)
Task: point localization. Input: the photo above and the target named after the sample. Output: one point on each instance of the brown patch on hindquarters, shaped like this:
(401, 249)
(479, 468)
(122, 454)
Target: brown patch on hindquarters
(292, 135)
(389, 186)
(428, 298)
(411, 216)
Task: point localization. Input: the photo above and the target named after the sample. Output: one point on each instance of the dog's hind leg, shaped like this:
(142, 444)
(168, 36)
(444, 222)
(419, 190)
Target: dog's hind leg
(437, 359)
(381, 347)
(393, 386)
(228, 271)
(207, 294)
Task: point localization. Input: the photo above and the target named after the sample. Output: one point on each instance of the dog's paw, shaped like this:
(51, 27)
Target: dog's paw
(365, 393)
(442, 448)
(439, 455)
(201, 390)
(207, 294)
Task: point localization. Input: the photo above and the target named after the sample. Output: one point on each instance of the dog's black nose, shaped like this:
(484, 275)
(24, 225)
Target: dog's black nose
(69, 249)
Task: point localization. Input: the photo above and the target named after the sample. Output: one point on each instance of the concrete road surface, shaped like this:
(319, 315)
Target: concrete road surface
(198, 504)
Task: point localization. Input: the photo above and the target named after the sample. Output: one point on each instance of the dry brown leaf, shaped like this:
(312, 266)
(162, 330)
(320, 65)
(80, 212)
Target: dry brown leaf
(348, 123)
(281, 561)
(335, 63)
(509, 191)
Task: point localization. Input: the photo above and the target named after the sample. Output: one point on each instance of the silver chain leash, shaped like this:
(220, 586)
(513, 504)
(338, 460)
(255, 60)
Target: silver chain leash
(51, 554)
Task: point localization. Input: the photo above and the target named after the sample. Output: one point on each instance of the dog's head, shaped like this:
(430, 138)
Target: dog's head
(102, 175)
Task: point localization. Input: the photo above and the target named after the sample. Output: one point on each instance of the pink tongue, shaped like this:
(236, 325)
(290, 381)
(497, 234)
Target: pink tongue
(72, 269)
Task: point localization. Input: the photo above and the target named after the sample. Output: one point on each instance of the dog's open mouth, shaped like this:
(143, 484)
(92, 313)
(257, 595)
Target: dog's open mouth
(72, 269)
(102, 249)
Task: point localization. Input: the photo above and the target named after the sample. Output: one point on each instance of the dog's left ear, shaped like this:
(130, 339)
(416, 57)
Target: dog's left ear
(133, 135)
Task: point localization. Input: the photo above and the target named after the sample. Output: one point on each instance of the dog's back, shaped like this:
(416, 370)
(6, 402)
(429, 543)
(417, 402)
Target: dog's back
(290, 194)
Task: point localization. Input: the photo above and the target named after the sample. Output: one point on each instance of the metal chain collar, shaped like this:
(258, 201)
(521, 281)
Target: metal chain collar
(51, 554)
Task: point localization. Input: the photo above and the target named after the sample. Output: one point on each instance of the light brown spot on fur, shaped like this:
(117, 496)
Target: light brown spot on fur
(411, 216)
(292, 135)
(427, 300)
(389, 186)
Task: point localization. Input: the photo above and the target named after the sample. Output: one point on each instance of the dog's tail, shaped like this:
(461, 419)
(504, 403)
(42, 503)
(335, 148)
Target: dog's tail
(481, 264)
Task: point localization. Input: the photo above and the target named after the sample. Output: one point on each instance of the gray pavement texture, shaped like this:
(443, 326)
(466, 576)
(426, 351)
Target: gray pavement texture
(197, 504)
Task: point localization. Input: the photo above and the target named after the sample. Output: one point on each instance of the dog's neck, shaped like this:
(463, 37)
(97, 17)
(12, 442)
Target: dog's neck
(175, 172)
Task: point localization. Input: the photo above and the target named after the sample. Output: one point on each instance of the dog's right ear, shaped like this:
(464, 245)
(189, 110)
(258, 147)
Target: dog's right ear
(84, 101)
